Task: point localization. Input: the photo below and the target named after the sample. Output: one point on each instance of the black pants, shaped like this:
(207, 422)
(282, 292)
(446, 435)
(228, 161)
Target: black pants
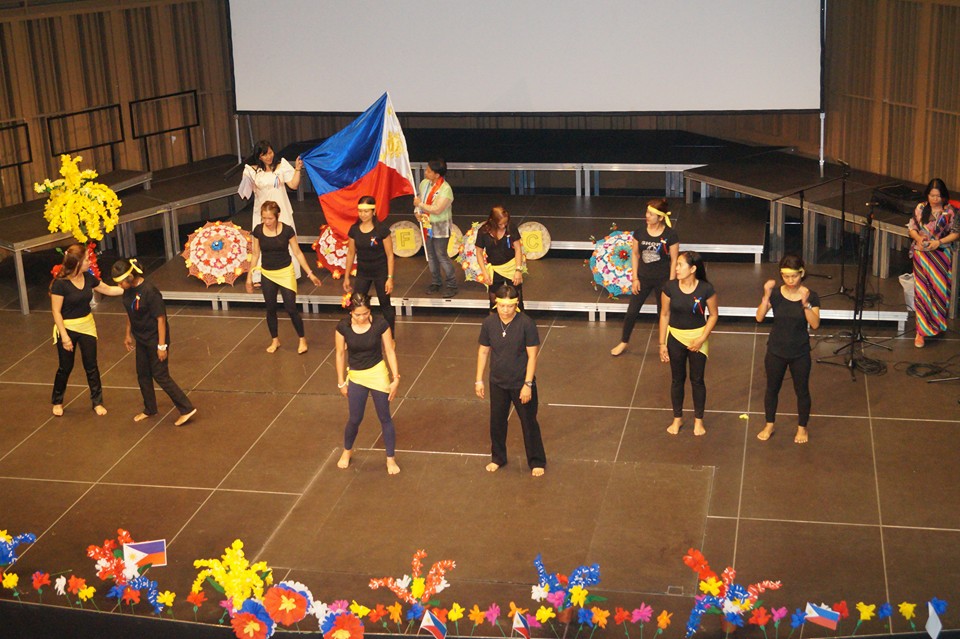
(357, 400)
(150, 369)
(362, 285)
(88, 353)
(500, 280)
(270, 290)
(800, 372)
(500, 400)
(636, 301)
(680, 356)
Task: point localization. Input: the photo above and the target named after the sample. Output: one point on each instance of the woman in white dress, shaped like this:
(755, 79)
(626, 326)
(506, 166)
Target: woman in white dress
(269, 181)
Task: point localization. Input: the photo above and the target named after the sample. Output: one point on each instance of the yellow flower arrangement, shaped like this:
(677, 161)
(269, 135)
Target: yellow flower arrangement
(237, 577)
(76, 204)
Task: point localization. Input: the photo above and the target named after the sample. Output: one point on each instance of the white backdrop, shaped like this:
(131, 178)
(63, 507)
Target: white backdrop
(438, 56)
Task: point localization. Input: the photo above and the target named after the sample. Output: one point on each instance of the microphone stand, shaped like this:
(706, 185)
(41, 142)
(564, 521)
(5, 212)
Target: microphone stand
(845, 173)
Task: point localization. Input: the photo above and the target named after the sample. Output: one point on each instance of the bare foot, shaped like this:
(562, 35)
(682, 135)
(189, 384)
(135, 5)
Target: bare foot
(100, 410)
(698, 428)
(139, 417)
(392, 467)
(619, 348)
(492, 467)
(674, 428)
(537, 472)
(302, 348)
(801, 437)
(58, 410)
(183, 419)
(344, 459)
(765, 434)
(274, 345)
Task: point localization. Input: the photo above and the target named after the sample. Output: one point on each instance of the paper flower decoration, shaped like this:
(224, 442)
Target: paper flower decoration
(40, 579)
(600, 616)
(563, 592)
(233, 575)
(939, 605)
(10, 580)
(414, 588)
(78, 205)
(60, 585)
(476, 615)
(643, 614)
(663, 621)
(218, 253)
(252, 621)
(331, 252)
(344, 626)
(8, 547)
(285, 605)
(109, 557)
(732, 599)
(545, 614)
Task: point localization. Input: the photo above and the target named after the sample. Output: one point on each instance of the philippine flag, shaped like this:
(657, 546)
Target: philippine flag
(432, 624)
(521, 625)
(822, 615)
(142, 553)
(368, 157)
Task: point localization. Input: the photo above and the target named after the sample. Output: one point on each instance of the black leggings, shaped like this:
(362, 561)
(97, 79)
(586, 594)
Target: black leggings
(500, 280)
(362, 285)
(636, 301)
(269, 288)
(679, 356)
(88, 353)
(357, 399)
(776, 367)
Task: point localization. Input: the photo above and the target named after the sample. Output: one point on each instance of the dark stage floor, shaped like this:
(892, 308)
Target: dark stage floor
(867, 511)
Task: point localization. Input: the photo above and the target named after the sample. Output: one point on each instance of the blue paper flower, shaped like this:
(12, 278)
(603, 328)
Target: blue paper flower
(585, 617)
(939, 605)
(798, 619)
(884, 611)
(415, 612)
(734, 618)
(585, 576)
(116, 592)
(327, 623)
(8, 549)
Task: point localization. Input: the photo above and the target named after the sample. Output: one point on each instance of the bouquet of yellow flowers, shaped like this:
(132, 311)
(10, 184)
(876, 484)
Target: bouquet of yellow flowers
(77, 204)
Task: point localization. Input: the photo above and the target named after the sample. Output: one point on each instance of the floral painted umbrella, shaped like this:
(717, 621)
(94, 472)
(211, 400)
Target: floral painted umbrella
(218, 252)
(611, 263)
(468, 255)
(332, 252)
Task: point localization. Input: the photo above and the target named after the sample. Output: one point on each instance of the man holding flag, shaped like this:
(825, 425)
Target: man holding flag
(434, 209)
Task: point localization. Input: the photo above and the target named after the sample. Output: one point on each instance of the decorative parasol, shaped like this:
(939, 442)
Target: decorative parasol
(332, 252)
(536, 240)
(407, 239)
(467, 255)
(218, 252)
(611, 263)
(456, 239)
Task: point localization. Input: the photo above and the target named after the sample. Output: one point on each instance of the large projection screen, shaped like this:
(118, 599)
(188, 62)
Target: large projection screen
(527, 56)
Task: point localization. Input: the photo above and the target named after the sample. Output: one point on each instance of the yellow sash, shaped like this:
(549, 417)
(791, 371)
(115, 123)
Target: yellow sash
(284, 277)
(687, 336)
(375, 378)
(507, 269)
(84, 325)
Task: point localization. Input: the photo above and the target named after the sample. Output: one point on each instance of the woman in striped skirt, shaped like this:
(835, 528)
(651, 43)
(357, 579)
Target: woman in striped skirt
(934, 225)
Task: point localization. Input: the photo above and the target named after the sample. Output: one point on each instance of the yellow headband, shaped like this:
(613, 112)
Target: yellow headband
(134, 266)
(367, 207)
(792, 271)
(506, 300)
(664, 215)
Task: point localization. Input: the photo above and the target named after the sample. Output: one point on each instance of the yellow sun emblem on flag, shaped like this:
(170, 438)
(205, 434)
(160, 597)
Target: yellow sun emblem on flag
(393, 148)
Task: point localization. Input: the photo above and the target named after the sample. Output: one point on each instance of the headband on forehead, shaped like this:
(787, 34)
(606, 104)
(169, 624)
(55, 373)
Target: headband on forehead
(508, 301)
(664, 215)
(133, 268)
(367, 207)
(792, 271)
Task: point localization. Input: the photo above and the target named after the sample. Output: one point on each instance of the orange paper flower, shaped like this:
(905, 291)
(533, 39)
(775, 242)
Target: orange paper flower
(345, 627)
(663, 620)
(759, 617)
(600, 617)
(476, 615)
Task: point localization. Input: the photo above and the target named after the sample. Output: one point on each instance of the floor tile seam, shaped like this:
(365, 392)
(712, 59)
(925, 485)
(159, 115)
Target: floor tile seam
(329, 511)
(27, 356)
(876, 479)
(839, 523)
(633, 396)
(746, 438)
(416, 379)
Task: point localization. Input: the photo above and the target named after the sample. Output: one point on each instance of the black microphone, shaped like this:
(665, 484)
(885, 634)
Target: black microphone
(842, 163)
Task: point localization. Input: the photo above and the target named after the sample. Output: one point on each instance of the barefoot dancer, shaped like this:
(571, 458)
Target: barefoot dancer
(684, 329)
(514, 341)
(367, 341)
(794, 307)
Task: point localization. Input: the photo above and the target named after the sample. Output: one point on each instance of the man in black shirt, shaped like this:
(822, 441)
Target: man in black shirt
(513, 339)
(147, 331)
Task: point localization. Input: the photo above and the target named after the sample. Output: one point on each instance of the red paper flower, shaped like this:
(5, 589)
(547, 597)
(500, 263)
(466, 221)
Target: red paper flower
(197, 598)
(759, 617)
(131, 596)
(40, 579)
(842, 609)
(76, 584)
(441, 614)
(345, 627)
(378, 613)
(285, 606)
(247, 626)
(620, 615)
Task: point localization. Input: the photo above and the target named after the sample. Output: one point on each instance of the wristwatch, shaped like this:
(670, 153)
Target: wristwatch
(161, 347)
(530, 384)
